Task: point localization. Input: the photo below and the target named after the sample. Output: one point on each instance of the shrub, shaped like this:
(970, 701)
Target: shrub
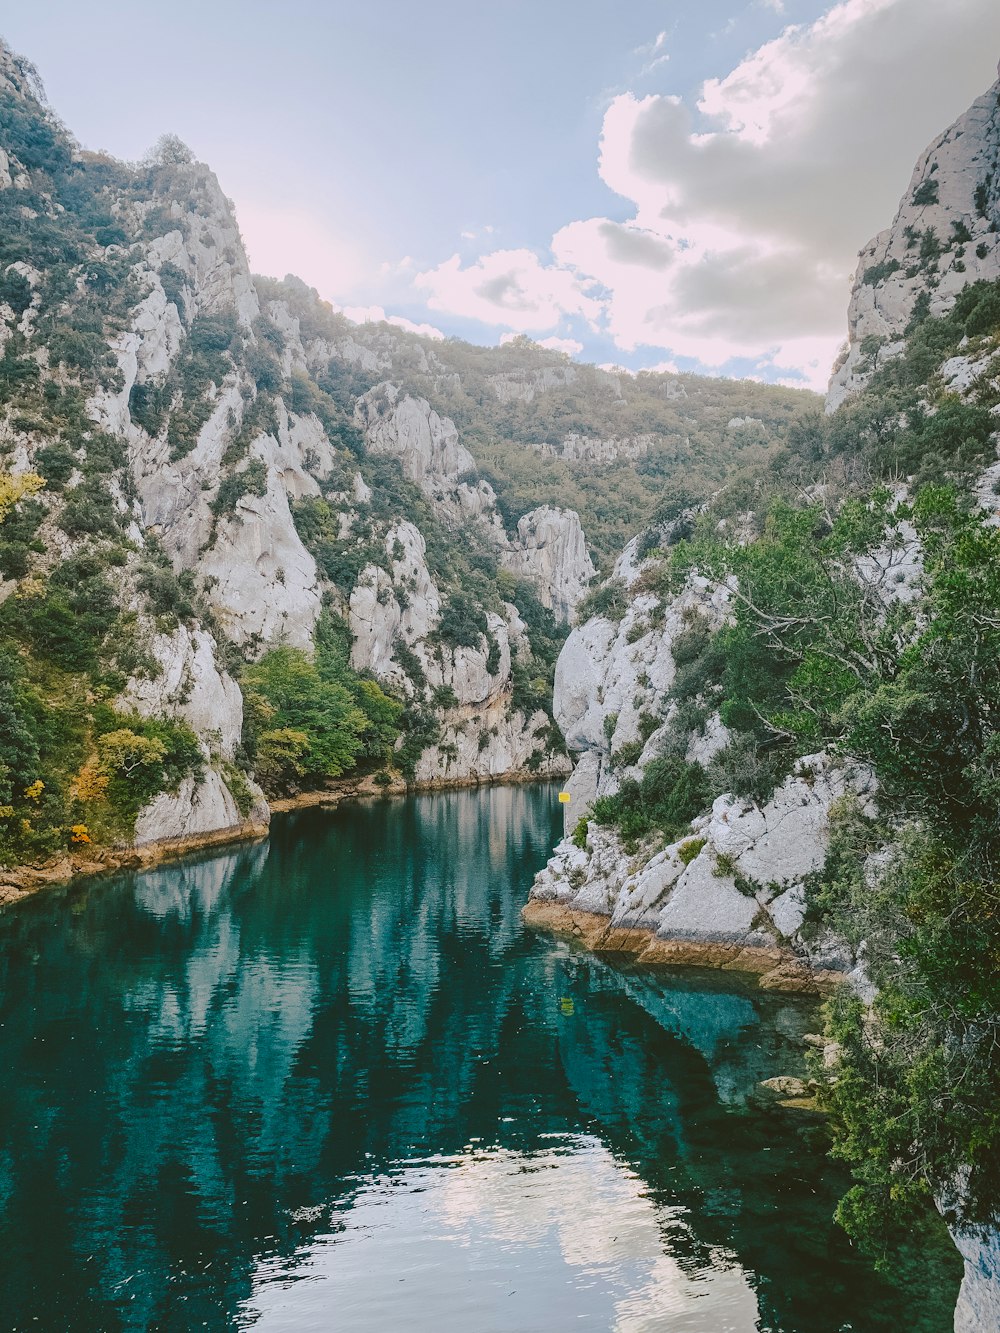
(234, 488)
(609, 600)
(239, 788)
(746, 768)
(690, 848)
(876, 273)
(960, 233)
(444, 696)
(420, 731)
(15, 291)
(263, 367)
(667, 798)
(462, 623)
(626, 755)
(168, 593)
(648, 723)
(410, 663)
(55, 462)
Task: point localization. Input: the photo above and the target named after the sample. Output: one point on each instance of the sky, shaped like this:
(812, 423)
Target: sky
(644, 183)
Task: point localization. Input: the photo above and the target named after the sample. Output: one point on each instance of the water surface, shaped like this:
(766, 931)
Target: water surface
(330, 1082)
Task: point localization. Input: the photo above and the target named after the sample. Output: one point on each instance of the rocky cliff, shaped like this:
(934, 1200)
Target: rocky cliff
(217, 497)
(945, 235)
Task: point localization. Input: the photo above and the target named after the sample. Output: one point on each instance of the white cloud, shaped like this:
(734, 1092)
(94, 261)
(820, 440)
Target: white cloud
(751, 203)
(569, 346)
(660, 368)
(510, 288)
(426, 330)
(362, 314)
(762, 194)
(375, 314)
(273, 236)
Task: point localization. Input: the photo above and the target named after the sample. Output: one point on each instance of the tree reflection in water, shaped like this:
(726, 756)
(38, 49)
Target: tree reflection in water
(212, 1068)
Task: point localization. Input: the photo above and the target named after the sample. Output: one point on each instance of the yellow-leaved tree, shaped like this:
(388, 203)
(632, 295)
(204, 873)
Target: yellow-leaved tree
(15, 486)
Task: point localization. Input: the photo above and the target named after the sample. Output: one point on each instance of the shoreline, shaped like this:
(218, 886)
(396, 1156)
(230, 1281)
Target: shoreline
(19, 881)
(776, 969)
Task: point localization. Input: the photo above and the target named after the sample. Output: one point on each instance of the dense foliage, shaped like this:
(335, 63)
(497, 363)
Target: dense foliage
(515, 404)
(309, 720)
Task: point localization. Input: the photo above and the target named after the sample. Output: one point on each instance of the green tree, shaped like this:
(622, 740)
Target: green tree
(284, 692)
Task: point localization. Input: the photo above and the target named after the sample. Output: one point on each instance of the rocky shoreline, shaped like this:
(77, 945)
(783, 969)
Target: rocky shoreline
(776, 969)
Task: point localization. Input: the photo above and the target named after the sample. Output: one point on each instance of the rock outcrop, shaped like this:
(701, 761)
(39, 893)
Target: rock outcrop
(978, 1306)
(945, 235)
(482, 735)
(732, 887)
(577, 448)
(551, 553)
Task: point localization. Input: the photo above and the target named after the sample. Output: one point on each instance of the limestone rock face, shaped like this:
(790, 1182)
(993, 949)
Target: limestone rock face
(576, 448)
(264, 582)
(612, 677)
(481, 735)
(735, 878)
(523, 386)
(377, 620)
(190, 687)
(979, 1298)
(197, 807)
(259, 576)
(946, 234)
(551, 553)
(400, 426)
(549, 550)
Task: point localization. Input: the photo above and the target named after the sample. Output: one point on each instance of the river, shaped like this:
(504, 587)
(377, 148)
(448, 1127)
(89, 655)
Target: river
(329, 1082)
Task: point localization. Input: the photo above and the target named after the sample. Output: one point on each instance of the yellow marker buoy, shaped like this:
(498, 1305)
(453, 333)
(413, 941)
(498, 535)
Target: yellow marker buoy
(564, 798)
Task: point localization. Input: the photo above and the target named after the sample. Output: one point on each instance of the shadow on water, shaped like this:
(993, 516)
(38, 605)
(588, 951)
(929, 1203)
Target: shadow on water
(286, 1080)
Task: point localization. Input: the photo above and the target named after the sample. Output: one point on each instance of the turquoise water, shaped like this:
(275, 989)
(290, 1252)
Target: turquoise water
(330, 1082)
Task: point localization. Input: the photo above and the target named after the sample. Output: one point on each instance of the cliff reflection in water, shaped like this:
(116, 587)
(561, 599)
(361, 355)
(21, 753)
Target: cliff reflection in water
(338, 1055)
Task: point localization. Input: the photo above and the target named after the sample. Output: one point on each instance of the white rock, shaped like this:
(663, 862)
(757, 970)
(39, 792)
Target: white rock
(551, 553)
(788, 910)
(575, 448)
(707, 906)
(399, 426)
(263, 580)
(195, 808)
(190, 687)
(978, 1308)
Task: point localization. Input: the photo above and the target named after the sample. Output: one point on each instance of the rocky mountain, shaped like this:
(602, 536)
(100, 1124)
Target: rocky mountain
(620, 450)
(247, 546)
(780, 709)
